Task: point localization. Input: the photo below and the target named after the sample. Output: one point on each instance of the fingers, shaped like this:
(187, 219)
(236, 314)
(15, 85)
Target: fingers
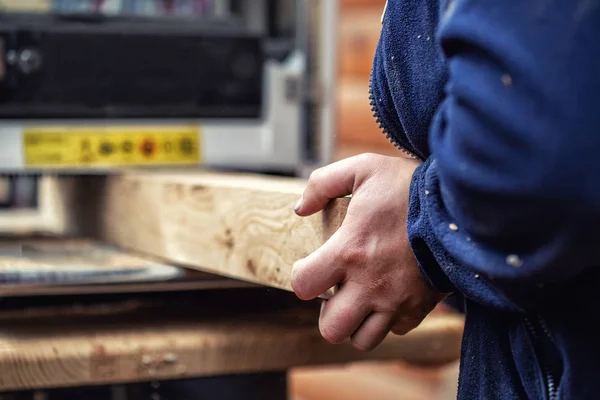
(372, 331)
(330, 182)
(342, 314)
(320, 271)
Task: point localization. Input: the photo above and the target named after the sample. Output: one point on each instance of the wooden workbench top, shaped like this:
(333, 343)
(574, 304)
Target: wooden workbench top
(206, 334)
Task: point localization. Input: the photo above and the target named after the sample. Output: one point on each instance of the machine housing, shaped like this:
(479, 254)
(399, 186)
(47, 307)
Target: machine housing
(247, 85)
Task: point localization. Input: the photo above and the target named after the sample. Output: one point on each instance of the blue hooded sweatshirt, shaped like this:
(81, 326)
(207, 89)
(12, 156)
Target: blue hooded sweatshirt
(501, 101)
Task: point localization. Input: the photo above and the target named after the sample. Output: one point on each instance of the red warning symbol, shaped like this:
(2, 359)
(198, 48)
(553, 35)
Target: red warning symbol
(148, 147)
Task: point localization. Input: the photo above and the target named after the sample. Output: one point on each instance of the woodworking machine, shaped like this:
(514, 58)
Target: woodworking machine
(95, 86)
(99, 86)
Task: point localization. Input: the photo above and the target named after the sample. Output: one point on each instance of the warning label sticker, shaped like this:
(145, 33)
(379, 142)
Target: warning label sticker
(111, 146)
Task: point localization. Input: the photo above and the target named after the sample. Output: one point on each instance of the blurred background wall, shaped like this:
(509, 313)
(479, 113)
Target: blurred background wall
(358, 34)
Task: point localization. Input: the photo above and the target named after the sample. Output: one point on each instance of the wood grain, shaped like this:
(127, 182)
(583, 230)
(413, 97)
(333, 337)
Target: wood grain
(234, 225)
(171, 343)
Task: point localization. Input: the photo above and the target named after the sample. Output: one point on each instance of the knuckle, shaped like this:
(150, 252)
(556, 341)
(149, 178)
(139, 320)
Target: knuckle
(380, 285)
(316, 176)
(356, 254)
(366, 158)
(370, 160)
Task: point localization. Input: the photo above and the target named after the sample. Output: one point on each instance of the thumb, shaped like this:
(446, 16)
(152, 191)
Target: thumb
(326, 183)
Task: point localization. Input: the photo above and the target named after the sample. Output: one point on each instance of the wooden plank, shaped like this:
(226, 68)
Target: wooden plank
(234, 225)
(134, 344)
(29, 266)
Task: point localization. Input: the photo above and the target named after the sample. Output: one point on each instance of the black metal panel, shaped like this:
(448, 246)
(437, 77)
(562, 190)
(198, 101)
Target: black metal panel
(128, 68)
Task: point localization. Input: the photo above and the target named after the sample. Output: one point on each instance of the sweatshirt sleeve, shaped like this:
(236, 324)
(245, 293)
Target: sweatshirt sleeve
(507, 207)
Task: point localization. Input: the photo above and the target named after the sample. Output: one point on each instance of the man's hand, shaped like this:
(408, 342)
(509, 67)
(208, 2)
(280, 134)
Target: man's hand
(381, 288)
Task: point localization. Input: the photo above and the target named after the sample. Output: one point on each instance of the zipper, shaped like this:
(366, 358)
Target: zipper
(384, 12)
(539, 331)
(377, 115)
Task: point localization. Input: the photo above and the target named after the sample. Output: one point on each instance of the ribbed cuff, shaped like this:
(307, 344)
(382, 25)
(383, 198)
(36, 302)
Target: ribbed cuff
(423, 242)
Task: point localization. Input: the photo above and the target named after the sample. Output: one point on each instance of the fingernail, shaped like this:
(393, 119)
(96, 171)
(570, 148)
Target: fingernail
(298, 204)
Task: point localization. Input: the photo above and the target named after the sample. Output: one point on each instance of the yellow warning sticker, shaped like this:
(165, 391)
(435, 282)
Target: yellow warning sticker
(90, 147)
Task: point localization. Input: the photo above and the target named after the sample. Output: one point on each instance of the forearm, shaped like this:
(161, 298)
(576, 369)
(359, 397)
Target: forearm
(508, 204)
(454, 260)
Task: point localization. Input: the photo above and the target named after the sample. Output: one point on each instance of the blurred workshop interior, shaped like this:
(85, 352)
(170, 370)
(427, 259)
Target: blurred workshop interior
(89, 88)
